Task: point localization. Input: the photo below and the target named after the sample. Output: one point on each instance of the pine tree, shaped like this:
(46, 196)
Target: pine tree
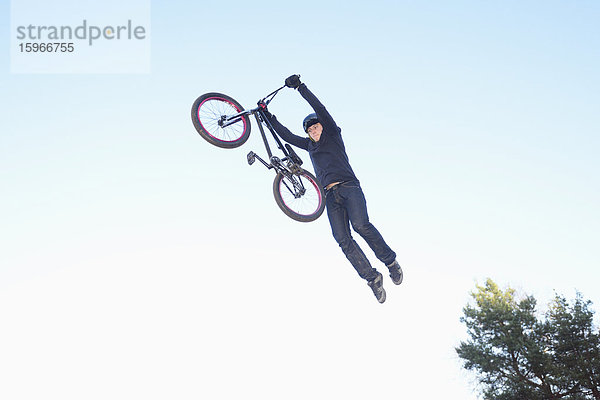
(518, 356)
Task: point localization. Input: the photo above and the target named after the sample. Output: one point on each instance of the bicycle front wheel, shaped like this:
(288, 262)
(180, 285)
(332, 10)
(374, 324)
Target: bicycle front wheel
(208, 114)
(300, 196)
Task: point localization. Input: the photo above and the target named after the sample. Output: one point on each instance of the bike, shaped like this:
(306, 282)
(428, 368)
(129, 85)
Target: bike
(223, 122)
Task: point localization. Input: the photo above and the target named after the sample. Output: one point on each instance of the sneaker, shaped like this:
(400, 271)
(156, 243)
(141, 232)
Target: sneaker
(377, 286)
(396, 272)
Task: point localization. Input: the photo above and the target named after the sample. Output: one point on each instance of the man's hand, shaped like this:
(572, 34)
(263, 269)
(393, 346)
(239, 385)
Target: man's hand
(293, 81)
(263, 105)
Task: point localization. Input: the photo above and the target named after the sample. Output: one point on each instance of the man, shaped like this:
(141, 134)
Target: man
(345, 200)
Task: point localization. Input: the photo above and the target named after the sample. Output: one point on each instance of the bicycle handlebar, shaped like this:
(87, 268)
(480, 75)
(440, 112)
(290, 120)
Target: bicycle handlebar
(271, 95)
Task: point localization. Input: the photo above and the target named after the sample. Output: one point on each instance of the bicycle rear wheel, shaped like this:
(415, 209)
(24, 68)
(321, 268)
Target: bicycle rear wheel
(208, 112)
(301, 197)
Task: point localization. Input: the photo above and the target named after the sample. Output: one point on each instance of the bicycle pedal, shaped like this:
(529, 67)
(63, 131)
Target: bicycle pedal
(251, 158)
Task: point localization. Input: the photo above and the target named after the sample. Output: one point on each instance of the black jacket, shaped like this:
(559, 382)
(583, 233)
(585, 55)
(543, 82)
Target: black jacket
(328, 155)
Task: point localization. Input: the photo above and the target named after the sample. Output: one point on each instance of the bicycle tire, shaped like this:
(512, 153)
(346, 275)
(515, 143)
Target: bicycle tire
(306, 208)
(206, 112)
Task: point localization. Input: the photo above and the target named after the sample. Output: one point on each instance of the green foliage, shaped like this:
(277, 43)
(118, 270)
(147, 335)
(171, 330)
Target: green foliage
(518, 356)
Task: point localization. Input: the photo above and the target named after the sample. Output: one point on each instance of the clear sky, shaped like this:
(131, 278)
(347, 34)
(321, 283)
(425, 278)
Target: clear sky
(138, 261)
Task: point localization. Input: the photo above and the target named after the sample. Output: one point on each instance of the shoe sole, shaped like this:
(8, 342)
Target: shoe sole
(399, 281)
(383, 297)
(401, 277)
(383, 294)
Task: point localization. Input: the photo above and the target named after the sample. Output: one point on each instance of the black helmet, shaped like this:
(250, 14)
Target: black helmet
(310, 119)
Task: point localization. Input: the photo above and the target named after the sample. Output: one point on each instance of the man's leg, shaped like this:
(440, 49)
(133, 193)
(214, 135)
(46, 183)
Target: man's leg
(356, 205)
(340, 226)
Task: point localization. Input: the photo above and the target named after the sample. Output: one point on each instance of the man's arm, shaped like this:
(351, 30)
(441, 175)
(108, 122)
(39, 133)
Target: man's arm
(322, 113)
(285, 134)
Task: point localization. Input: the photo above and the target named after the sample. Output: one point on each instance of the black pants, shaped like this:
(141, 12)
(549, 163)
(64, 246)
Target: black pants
(346, 205)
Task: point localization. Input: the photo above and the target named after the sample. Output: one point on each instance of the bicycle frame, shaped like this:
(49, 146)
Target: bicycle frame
(259, 113)
(290, 163)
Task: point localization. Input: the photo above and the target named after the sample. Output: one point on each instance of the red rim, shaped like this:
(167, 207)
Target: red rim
(208, 132)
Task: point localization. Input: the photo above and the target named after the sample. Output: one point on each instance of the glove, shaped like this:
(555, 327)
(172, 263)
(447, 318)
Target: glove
(293, 81)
